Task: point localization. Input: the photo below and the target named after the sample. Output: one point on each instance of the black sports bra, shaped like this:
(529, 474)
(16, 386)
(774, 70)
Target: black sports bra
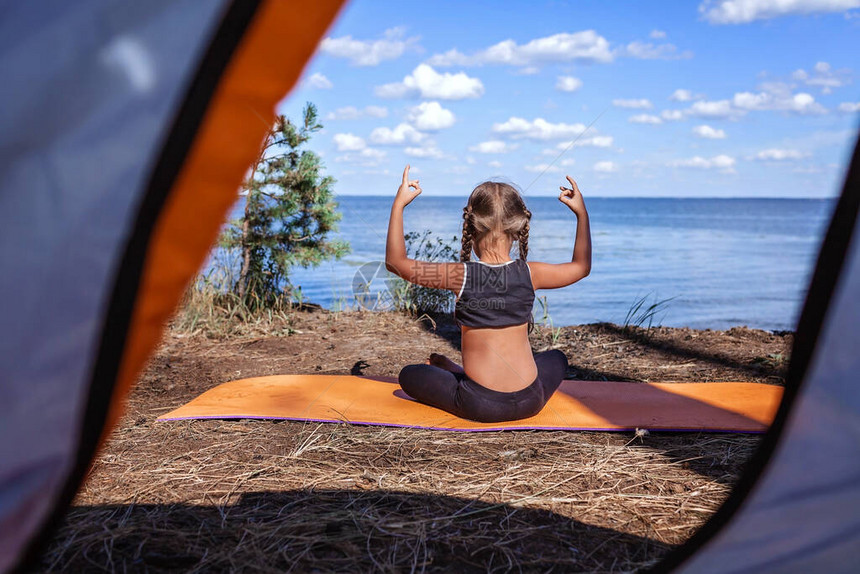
(495, 295)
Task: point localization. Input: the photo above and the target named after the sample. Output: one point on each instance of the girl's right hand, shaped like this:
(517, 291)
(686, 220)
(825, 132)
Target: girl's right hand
(572, 197)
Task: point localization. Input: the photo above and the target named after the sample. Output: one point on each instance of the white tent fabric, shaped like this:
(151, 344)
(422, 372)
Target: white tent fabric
(83, 81)
(803, 514)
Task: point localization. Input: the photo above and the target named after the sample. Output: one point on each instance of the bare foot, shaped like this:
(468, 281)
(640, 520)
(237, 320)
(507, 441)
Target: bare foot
(444, 362)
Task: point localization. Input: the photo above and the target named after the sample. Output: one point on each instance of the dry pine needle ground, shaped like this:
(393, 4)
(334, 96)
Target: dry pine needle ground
(203, 496)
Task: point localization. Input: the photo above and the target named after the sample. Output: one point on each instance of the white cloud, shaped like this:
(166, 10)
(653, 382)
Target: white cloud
(430, 116)
(403, 133)
(645, 119)
(494, 163)
(801, 103)
(424, 152)
(538, 129)
(426, 82)
(543, 168)
(640, 104)
(353, 113)
(722, 162)
(649, 51)
(672, 115)
(493, 146)
(369, 53)
(779, 155)
(744, 11)
(568, 84)
(707, 132)
(849, 107)
(348, 142)
(367, 156)
(528, 71)
(714, 109)
(681, 95)
(584, 46)
(822, 77)
(319, 82)
(657, 34)
(590, 141)
(605, 167)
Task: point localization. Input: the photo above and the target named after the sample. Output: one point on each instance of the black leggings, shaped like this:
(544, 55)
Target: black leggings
(463, 397)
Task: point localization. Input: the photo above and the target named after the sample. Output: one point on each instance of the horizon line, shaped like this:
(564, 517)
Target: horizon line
(623, 196)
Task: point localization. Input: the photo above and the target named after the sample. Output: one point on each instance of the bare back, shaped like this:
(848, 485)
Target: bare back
(499, 358)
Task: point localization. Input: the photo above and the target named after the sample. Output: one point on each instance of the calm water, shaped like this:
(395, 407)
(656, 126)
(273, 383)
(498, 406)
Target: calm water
(725, 262)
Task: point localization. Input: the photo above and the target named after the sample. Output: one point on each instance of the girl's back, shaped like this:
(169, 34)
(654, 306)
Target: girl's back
(500, 379)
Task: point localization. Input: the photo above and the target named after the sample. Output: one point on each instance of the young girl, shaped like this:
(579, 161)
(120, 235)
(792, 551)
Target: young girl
(500, 380)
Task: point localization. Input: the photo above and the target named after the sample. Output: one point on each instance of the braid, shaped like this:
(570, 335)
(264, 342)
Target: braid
(468, 231)
(523, 235)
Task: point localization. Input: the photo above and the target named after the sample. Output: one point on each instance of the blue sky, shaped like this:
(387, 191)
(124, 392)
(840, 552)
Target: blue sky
(724, 98)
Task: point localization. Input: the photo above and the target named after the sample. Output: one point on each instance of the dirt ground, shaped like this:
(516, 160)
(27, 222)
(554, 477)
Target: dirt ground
(307, 497)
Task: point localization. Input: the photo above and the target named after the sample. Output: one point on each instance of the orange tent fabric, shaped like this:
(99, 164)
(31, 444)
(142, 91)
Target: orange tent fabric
(577, 405)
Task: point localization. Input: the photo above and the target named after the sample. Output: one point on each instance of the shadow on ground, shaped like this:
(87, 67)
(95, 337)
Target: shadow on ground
(339, 530)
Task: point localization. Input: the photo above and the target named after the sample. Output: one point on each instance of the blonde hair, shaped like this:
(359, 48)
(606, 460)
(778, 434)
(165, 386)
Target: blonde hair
(493, 208)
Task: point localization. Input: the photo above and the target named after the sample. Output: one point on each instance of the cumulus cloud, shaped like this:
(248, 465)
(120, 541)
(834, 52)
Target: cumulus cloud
(822, 77)
(402, 134)
(426, 82)
(680, 95)
(649, 51)
(744, 11)
(801, 103)
(367, 156)
(318, 82)
(353, 113)
(605, 167)
(430, 116)
(537, 129)
(584, 46)
(494, 146)
(640, 104)
(590, 141)
(494, 163)
(568, 84)
(645, 119)
(707, 132)
(348, 142)
(431, 152)
(723, 163)
(714, 109)
(543, 168)
(779, 155)
(849, 107)
(657, 34)
(369, 52)
(672, 115)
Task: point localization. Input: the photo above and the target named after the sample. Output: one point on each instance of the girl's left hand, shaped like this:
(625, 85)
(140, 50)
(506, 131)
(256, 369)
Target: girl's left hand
(408, 190)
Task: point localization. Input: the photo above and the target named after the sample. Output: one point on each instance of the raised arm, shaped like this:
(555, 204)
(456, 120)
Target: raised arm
(425, 273)
(553, 276)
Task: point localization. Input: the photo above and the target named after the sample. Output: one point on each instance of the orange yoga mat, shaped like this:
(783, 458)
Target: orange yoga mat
(577, 405)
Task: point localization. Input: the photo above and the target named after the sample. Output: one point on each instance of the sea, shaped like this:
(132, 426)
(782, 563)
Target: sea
(695, 262)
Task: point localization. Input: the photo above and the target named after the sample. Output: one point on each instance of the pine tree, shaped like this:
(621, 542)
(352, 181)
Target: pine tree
(289, 213)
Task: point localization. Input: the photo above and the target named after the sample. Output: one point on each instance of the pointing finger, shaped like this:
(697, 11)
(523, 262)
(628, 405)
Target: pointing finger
(406, 174)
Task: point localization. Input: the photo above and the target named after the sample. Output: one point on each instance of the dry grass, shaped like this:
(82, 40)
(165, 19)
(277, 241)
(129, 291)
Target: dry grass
(204, 496)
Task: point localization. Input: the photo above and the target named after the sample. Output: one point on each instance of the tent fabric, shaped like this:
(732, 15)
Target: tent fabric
(110, 147)
(90, 90)
(576, 405)
(801, 514)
